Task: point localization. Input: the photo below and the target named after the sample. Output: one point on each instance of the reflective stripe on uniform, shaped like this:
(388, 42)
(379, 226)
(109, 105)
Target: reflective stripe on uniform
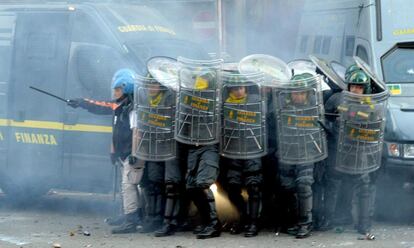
(111, 105)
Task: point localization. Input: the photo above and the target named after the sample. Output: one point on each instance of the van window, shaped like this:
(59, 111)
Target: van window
(41, 45)
(317, 44)
(349, 45)
(7, 23)
(303, 43)
(86, 30)
(398, 65)
(362, 53)
(326, 46)
(95, 66)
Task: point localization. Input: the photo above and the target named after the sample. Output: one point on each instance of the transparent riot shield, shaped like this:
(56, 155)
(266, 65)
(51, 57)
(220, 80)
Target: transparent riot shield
(361, 131)
(243, 122)
(154, 107)
(198, 112)
(334, 81)
(299, 111)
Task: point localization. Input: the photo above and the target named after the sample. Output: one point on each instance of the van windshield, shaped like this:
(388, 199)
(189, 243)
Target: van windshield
(398, 65)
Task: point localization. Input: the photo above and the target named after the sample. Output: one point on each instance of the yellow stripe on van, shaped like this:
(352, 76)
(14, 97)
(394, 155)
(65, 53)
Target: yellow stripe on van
(3, 122)
(88, 128)
(37, 124)
(56, 126)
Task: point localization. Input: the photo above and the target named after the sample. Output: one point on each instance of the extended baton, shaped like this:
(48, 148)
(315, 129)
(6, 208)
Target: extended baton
(49, 94)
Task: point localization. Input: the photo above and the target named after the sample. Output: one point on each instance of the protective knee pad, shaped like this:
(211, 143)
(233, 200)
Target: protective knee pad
(172, 190)
(208, 194)
(254, 191)
(158, 188)
(364, 190)
(172, 205)
(304, 190)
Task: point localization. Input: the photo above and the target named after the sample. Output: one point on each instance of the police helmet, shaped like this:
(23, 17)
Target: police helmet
(359, 77)
(302, 79)
(352, 68)
(125, 79)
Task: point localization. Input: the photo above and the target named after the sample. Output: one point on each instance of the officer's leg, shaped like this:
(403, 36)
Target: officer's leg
(318, 194)
(304, 183)
(287, 199)
(191, 187)
(155, 196)
(234, 189)
(364, 190)
(344, 203)
(270, 189)
(206, 175)
(254, 180)
(130, 180)
(333, 182)
(172, 206)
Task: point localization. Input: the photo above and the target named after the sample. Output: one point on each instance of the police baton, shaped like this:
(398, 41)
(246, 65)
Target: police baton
(49, 94)
(117, 166)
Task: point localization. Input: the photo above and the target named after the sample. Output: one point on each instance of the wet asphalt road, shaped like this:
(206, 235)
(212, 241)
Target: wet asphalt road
(61, 218)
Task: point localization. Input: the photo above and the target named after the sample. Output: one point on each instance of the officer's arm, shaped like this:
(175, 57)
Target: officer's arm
(98, 107)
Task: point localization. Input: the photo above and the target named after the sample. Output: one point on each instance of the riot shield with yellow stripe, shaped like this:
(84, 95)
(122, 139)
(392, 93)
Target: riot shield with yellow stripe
(198, 112)
(243, 123)
(154, 109)
(299, 112)
(361, 132)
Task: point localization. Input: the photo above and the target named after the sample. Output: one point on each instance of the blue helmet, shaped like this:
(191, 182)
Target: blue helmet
(124, 72)
(125, 79)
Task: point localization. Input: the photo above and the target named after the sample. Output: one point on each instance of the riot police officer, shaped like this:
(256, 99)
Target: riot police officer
(358, 146)
(197, 130)
(121, 107)
(244, 142)
(301, 142)
(155, 109)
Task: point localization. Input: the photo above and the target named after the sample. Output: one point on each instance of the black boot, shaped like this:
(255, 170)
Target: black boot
(293, 230)
(213, 227)
(364, 209)
(198, 229)
(254, 206)
(235, 197)
(304, 231)
(172, 209)
(195, 196)
(129, 225)
(155, 210)
(305, 210)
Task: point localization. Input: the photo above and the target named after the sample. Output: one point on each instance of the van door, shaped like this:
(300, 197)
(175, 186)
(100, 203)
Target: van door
(40, 53)
(93, 59)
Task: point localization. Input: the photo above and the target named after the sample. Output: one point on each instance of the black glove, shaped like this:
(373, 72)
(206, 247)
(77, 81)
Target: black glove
(74, 103)
(132, 159)
(113, 158)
